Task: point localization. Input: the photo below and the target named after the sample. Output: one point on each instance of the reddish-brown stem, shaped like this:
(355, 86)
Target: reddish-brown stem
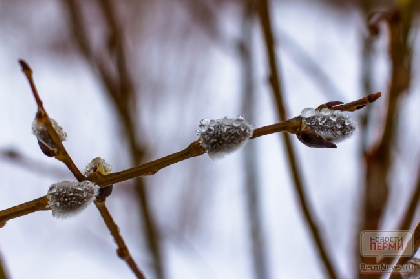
(194, 149)
(150, 168)
(42, 117)
(356, 105)
(61, 154)
(122, 250)
(290, 126)
(23, 209)
(28, 73)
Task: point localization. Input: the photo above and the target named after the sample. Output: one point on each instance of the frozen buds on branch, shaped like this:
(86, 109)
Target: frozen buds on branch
(45, 140)
(323, 128)
(67, 198)
(100, 166)
(222, 136)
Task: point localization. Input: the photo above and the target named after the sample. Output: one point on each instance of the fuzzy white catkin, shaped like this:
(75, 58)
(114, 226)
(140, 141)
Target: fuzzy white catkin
(223, 136)
(67, 198)
(332, 125)
(41, 133)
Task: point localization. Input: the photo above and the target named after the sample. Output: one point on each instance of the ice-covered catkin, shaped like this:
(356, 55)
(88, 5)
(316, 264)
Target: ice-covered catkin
(67, 198)
(41, 133)
(222, 136)
(332, 125)
(98, 165)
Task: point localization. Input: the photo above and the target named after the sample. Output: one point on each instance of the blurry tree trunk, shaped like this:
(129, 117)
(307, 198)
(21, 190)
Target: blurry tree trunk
(277, 91)
(378, 159)
(252, 192)
(116, 79)
(3, 274)
(367, 76)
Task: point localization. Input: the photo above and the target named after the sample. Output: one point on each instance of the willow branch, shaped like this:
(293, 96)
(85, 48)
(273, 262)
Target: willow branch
(60, 152)
(122, 250)
(23, 209)
(194, 149)
(150, 168)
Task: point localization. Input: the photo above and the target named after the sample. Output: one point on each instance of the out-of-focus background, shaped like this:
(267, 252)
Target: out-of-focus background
(130, 80)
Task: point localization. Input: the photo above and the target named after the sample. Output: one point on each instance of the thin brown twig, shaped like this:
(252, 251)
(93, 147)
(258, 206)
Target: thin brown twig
(122, 250)
(42, 116)
(23, 209)
(264, 14)
(150, 168)
(358, 104)
(62, 155)
(290, 126)
(28, 73)
(194, 149)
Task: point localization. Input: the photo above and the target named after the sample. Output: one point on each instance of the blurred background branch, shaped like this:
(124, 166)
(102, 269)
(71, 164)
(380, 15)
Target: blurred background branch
(35, 166)
(252, 191)
(110, 66)
(3, 274)
(379, 158)
(275, 82)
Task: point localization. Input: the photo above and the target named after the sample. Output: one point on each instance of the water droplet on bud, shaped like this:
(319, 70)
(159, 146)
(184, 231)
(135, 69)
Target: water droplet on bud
(325, 111)
(308, 112)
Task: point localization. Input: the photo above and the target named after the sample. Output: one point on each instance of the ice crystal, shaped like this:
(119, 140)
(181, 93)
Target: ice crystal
(67, 198)
(308, 112)
(41, 133)
(222, 136)
(333, 126)
(98, 165)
